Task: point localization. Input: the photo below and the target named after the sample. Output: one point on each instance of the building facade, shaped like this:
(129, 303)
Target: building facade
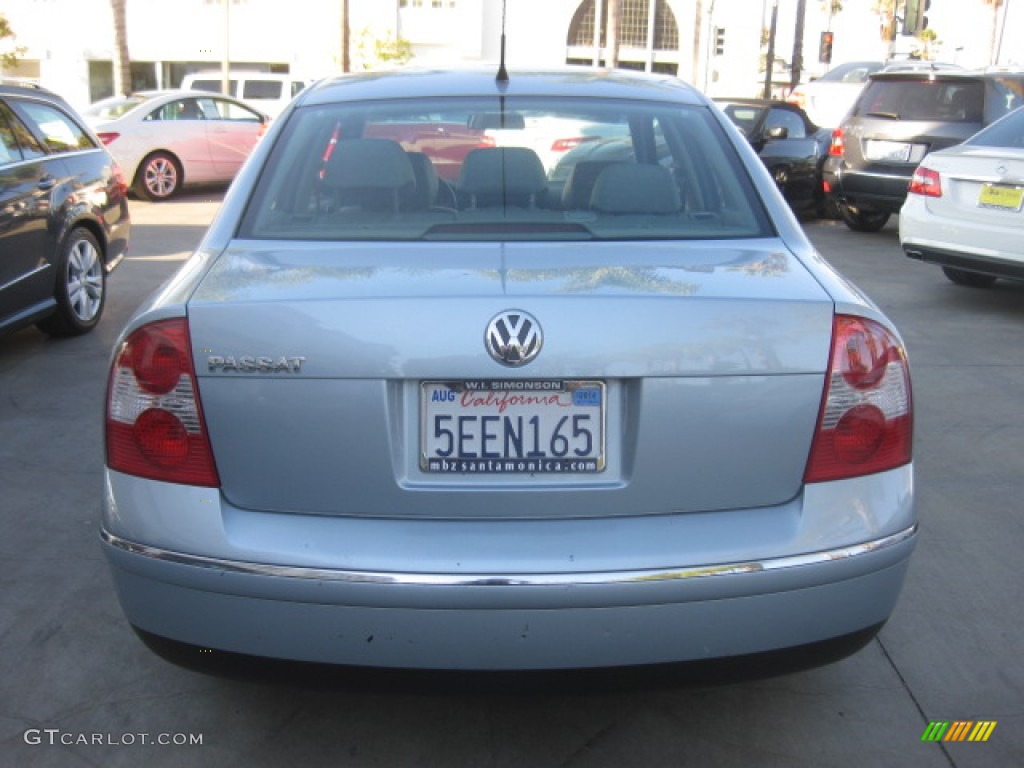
(717, 45)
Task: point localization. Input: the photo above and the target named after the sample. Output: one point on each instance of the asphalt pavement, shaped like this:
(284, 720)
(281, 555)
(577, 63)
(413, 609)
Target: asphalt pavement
(77, 688)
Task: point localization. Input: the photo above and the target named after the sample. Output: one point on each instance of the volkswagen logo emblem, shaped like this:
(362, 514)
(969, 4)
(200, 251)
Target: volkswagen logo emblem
(513, 337)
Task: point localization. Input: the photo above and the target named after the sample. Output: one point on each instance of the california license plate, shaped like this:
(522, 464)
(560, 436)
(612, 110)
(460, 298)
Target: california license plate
(512, 426)
(1001, 196)
(887, 151)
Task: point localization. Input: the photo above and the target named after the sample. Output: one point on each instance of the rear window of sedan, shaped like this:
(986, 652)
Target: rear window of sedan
(506, 168)
(960, 101)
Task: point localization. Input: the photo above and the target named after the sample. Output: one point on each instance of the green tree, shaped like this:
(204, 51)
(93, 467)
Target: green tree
(374, 51)
(8, 56)
(929, 40)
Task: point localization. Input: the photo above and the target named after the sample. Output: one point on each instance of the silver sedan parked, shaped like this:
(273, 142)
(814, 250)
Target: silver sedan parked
(392, 419)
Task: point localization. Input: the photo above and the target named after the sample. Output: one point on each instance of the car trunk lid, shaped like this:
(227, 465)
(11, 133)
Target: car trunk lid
(311, 359)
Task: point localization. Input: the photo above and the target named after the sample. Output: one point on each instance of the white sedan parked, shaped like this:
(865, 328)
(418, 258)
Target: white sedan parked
(964, 211)
(166, 139)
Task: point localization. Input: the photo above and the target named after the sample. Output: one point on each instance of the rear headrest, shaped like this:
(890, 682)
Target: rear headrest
(502, 170)
(580, 184)
(369, 164)
(426, 181)
(635, 188)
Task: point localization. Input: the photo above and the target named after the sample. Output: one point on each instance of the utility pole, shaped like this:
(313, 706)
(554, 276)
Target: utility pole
(346, 56)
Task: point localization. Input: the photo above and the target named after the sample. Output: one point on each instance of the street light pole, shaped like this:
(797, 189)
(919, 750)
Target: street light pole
(225, 65)
(1002, 31)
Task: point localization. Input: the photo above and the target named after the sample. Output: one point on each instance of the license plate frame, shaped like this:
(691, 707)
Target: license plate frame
(533, 426)
(1001, 197)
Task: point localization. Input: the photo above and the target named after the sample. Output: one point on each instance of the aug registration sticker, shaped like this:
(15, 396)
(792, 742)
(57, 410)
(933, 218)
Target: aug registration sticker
(512, 426)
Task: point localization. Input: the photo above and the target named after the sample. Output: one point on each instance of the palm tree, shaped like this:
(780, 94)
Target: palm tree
(122, 62)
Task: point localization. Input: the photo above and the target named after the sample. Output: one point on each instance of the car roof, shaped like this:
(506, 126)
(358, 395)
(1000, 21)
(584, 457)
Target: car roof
(950, 75)
(18, 88)
(578, 81)
(755, 102)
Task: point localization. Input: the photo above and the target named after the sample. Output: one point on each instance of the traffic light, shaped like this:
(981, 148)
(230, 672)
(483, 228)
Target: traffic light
(914, 19)
(719, 41)
(825, 47)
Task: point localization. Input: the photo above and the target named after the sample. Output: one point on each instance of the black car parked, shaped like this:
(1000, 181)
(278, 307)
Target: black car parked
(64, 220)
(899, 118)
(792, 148)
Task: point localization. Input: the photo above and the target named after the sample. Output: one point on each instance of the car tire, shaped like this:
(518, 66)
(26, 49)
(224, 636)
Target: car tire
(862, 221)
(970, 279)
(81, 286)
(159, 177)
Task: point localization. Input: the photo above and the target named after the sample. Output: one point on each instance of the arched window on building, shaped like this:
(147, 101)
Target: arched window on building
(642, 44)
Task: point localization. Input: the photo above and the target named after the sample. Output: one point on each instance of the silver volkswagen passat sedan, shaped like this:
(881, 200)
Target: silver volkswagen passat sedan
(489, 421)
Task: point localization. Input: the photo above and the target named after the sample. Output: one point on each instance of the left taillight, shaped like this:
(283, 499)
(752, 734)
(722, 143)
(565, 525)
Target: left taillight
(837, 145)
(119, 178)
(925, 182)
(154, 420)
(866, 420)
(564, 145)
(107, 137)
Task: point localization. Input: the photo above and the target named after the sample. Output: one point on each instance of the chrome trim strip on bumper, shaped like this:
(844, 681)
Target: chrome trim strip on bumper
(518, 580)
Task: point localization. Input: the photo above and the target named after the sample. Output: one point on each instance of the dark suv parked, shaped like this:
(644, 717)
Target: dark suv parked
(63, 215)
(898, 118)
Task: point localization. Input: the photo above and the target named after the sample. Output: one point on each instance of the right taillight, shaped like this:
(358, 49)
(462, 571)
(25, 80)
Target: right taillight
(837, 147)
(866, 419)
(154, 423)
(926, 182)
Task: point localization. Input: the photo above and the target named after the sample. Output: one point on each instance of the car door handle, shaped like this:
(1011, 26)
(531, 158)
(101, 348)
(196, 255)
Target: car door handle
(47, 183)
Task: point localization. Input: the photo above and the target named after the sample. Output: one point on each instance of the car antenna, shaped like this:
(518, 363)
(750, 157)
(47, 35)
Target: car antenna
(502, 76)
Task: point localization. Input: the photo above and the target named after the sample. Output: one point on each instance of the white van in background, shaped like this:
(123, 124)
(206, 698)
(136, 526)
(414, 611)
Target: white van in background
(267, 91)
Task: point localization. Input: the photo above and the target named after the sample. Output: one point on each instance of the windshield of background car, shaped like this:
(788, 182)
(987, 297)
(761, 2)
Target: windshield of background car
(114, 107)
(745, 116)
(852, 72)
(956, 101)
(505, 168)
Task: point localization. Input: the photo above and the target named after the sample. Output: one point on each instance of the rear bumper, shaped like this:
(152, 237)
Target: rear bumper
(961, 241)
(969, 262)
(509, 621)
(871, 190)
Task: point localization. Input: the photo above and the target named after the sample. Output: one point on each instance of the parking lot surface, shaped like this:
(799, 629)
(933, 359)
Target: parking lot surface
(77, 688)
